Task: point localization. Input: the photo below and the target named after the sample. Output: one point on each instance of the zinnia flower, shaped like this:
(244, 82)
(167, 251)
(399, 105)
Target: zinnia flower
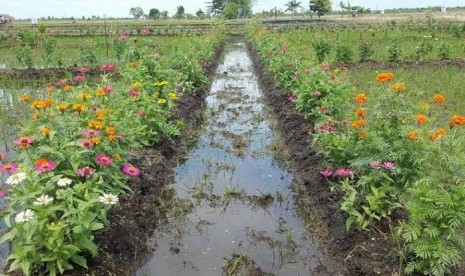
(24, 216)
(316, 94)
(87, 143)
(130, 170)
(360, 113)
(91, 133)
(173, 96)
(24, 142)
(108, 67)
(43, 200)
(78, 79)
(343, 172)
(44, 165)
(3, 155)
(83, 70)
(63, 182)
(400, 87)
(161, 101)
(457, 120)
(291, 99)
(104, 160)
(16, 178)
(45, 132)
(3, 193)
(8, 168)
(358, 124)
(376, 165)
(326, 173)
(108, 89)
(109, 199)
(388, 165)
(85, 172)
(144, 31)
(438, 98)
(362, 134)
(25, 97)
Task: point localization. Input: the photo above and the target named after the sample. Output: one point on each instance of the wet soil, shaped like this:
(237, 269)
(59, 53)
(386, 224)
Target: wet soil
(360, 252)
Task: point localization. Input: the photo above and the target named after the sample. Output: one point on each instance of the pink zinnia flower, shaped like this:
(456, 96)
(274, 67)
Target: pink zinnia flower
(343, 172)
(388, 165)
(141, 113)
(8, 168)
(308, 71)
(24, 142)
(78, 79)
(91, 133)
(83, 70)
(326, 172)
(325, 128)
(316, 94)
(133, 92)
(130, 170)
(3, 193)
(291, 98)
(325, 67)
(104, 160)
(144, 31)
(61, 83)
(376, 165)
(108, 89)
(87, 143)
(85, 172)
(3, 155)
(44, 165)
(310, 130)
(95, 109)
(123, 36)
(108, 67)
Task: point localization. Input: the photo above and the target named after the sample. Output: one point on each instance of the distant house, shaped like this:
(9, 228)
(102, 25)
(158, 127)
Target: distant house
(5, 18)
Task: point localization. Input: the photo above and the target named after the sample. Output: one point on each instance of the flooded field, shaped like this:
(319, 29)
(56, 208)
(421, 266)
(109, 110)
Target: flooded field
(236, 213)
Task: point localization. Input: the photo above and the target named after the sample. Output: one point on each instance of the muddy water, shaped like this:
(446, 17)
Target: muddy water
(237, 214)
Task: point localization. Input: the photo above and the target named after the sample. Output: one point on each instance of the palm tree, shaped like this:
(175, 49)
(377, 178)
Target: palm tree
(292, 6)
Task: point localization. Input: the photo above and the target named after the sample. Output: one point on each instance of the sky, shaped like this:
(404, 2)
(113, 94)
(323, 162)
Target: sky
(115, 8)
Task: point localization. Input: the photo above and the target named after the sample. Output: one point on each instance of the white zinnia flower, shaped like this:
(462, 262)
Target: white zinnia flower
(62, 182)
(24, 216)
(43, 200)
(16, 178)
(109, 199)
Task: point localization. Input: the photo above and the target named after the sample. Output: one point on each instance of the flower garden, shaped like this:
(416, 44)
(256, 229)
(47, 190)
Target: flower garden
(384, 102)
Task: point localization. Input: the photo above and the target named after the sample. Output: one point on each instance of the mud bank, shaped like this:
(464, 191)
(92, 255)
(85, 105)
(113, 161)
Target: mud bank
(360, 252)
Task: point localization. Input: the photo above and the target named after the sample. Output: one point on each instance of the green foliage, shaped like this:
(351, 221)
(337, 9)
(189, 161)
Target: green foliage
(322, 49)
(48, 45)
(321, 7)
(394, 52)
(87, 55)
(24, 56)
(344, 54)
(444, 50)
(366, 51)
(423, 50)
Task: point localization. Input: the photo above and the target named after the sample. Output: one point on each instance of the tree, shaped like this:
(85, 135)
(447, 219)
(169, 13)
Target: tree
(180, 12)
(200, 14)
(243, 7)
(164, 15)
(137, 12)
(292, 6)
(320, 6)
(154, 14)
(230, 11)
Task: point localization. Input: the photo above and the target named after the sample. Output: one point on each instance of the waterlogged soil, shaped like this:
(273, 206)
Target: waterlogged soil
(237, 213)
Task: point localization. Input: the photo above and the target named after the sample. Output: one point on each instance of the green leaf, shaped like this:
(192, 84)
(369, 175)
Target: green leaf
(89, 245)
(9, 236)
(79, 260)
(96, 226)
(78, 229)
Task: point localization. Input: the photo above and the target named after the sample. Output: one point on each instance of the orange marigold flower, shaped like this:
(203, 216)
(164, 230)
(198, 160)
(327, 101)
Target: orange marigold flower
(95, 124)
(441, 132)
(412, 135)
(360, 113)
(100, 116)
(45, 131)
(438, 98)
(358, 124)
(433, 136)
(112, 137)
(25, 97)
(421, 119)
(399, 86)
(62, 107)
(35, 116)
(100, 92)
(362, 134)
(361, 98)
(111, 131)
(68, 88)
(85, 96)
(79, 107)
(38, 104)
(48, 102)
(457, 120)
(95, 140)
(384, 77)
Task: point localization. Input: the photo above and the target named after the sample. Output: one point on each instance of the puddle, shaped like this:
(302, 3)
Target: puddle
(242, 220)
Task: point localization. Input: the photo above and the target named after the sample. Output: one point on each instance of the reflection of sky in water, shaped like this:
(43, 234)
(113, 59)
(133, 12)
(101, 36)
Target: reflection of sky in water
(213, 233)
